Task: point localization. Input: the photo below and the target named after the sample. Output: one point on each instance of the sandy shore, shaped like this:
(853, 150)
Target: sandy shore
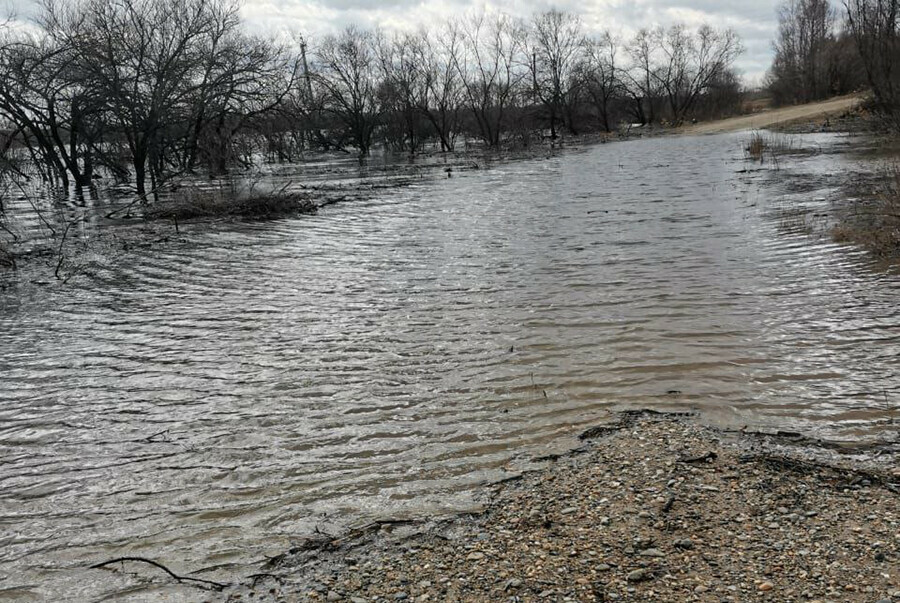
(650, 508)
(774, 117)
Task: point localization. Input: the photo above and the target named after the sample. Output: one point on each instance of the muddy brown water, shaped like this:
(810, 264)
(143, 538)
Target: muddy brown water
(208, 402)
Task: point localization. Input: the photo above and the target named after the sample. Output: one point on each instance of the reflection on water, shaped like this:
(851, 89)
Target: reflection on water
(204, 402)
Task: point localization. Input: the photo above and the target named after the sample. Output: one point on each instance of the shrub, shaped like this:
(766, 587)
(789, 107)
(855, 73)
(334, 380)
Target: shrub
(874, 220)
(192, 203)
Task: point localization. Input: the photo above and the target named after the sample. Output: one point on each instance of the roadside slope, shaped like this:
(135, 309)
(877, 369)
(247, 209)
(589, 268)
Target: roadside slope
(775, 116)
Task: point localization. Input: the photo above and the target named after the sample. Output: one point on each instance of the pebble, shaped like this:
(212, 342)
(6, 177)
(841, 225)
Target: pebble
(652, 553)
(333, 596)
(640, 575)
(601, 546)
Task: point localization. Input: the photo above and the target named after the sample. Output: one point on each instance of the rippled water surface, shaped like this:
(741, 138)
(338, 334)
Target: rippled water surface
(204, 403)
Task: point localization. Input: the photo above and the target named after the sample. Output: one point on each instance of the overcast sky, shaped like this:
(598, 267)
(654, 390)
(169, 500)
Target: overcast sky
(754, 20)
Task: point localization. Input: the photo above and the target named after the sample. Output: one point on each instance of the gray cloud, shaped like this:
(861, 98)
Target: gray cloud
(754, 20)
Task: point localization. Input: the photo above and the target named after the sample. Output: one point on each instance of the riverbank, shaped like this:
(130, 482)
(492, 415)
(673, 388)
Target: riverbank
(651, 507)
(780, 117)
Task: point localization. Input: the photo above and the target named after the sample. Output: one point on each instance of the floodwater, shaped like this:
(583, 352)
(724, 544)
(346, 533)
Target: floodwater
(207, 403)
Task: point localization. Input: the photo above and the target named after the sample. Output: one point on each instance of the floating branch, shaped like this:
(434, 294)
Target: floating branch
(217, 585)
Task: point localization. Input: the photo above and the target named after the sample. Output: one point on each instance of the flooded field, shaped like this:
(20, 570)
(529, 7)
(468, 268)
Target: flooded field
(207, 402)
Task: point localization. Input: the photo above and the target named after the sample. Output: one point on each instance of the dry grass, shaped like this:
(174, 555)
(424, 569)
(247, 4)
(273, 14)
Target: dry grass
(768, 146)
(756, 148)
(194, 203)
(874, 220)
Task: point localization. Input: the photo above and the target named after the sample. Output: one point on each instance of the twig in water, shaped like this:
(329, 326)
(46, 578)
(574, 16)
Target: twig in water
(62, 257)
(217, 585)
(150, 438)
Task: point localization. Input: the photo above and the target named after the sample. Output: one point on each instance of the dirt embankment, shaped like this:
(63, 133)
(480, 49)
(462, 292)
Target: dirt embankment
(651, 508)
(773, 117)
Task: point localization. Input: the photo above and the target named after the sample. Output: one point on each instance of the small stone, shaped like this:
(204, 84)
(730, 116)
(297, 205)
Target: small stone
(700, 589)
(569, 510)
(475, 556)
(604, 521)
(603, 568)
(332, 596)
(766, 586)
(652, 553)
(640, 575)
(684, 543)
(401, 596)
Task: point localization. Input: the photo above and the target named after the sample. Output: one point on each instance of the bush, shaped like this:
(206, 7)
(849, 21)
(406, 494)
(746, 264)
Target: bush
(874, 220)
(7, 259)
(192, 203)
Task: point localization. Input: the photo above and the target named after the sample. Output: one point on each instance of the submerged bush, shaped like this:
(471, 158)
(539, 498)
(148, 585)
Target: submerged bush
(874, 220)
(7, 259)
(192, 203)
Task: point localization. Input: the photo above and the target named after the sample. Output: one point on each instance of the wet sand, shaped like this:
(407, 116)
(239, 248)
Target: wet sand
(651, 507)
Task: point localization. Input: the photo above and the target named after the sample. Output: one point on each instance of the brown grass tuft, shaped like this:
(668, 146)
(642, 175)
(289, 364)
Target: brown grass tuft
(874, 222)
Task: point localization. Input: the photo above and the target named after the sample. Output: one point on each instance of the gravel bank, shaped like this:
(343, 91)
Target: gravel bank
(652, 508)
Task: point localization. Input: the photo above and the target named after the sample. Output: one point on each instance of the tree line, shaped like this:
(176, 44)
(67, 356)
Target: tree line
(823, 50)
(146, 90)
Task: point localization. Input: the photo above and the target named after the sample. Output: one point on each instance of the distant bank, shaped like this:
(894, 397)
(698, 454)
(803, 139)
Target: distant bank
(773, 117)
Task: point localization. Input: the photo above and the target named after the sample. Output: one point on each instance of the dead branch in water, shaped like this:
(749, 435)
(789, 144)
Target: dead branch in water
(62, 257)
(217, 585)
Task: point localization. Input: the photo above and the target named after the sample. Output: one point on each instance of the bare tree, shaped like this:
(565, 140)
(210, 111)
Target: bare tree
(490, 66)
(805, 33)
(348, 74)
(555, 45)
(440, 94)
(640, 83)
(874, 24)
(144, 58)
(601, 77)
(44, 96)
(691, 63)
(400, 89)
